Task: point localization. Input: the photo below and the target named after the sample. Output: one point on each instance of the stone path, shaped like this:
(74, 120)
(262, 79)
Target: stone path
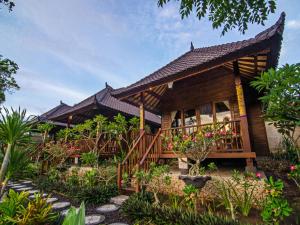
(64, 206)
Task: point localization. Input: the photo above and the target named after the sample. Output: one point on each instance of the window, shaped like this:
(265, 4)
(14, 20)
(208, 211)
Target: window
(206, 114)
(190, 117)
(223, 113)
(176, 118)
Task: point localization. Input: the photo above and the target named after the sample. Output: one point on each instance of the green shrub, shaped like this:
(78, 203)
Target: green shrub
(95, 194)
(137, 208)
(89, 159)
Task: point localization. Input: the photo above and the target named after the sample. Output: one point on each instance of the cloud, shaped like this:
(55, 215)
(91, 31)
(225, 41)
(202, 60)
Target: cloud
(293, 24)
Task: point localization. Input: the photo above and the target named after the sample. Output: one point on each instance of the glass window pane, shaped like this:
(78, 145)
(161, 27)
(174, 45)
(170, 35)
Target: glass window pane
(206, 114)
(223, 113)
(190, 117)
(176, 118)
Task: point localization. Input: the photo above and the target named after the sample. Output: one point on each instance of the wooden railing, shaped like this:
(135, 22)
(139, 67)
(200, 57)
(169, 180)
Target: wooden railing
(153, 152)
(131, 162)
(230, 132)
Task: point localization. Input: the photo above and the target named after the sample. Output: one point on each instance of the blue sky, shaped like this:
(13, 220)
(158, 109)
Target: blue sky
(68, 49)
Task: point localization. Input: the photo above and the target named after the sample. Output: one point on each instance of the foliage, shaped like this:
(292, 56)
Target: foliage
(196, 146)
(17, 209)
(8, 68)
(57, 153)
(9, 3)
(75, 218)
(45, 128)
(281, 90)
(155, 178)
(237, 193)
(138, 208)
(14, 132)
(229, 14)
(89, 159)
(295, 174)
(190, 196)
(276, 208)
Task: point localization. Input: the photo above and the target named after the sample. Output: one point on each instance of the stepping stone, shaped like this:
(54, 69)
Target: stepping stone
(33, 196)
(18, 186)
(33, 191)
(118, 224)
(107, 208)
(51, 200)
(60, 205)
(119, 200)
(27, 182)
(24, 189)
(94, 219)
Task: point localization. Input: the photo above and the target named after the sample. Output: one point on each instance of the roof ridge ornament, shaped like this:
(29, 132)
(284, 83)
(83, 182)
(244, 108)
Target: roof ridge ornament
(192, 46)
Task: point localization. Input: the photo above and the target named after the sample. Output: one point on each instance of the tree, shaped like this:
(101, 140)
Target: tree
(229, 14)
(7, 82)
(14, 131)
(10, 4)
(281, 99)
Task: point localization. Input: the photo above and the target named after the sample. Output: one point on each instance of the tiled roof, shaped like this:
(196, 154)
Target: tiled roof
(104, 99)
(61, 108)
(205, 57)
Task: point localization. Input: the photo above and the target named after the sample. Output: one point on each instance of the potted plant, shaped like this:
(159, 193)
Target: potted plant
(195, 146)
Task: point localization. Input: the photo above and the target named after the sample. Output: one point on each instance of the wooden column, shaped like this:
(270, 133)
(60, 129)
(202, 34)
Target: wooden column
(142, 113)
(243, 115)
(69, 121)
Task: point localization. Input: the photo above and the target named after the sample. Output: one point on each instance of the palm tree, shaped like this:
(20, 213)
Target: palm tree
(14, 131)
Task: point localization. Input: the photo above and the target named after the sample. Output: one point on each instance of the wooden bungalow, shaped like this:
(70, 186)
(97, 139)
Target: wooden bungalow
(206, 85)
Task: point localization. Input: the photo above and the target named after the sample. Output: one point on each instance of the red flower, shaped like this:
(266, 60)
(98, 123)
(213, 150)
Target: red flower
(223, 132)
(194, 139)
(293, 167)
(185, 137)
(258, 175)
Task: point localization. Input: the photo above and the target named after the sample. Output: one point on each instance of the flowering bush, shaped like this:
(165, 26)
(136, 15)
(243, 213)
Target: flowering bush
(196, 146)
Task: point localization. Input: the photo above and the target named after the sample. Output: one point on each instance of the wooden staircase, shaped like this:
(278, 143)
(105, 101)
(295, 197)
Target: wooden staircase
(146, 150)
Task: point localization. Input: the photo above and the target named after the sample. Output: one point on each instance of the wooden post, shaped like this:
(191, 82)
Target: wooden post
(137, 183)
(69, 121)
(142, 113)
(119, 176)
(243, 116)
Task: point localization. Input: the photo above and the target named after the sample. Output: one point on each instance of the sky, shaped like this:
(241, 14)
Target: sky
(67, 49)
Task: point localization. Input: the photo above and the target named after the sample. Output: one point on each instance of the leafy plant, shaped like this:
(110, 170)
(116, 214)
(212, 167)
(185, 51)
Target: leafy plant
(75, 217)
(190, 197)
(276, 208)
(89, 159)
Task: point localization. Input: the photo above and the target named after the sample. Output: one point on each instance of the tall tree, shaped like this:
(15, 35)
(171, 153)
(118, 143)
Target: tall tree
(7, 82)
(229, 14)
(8, 3)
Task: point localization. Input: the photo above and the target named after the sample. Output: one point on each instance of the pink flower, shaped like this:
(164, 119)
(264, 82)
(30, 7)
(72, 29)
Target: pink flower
(258, 175)
(292, 167)
(185, 137)
(223, 132)
(208, 135)
(194, 139)
(170, 146)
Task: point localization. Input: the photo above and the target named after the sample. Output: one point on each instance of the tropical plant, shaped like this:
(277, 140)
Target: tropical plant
(89, 159)
(45, 128)
(275, 208)
(14, 131)
(74, 216)
(281, 102)
(191, 194)
(229, 14)
(17, 209)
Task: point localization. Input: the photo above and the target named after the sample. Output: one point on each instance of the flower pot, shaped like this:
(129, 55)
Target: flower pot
(197, 181)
